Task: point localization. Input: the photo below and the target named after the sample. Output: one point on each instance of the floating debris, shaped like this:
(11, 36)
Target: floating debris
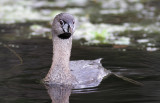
(39, 30)
(143, 40)
(21, 12)
(151, 49)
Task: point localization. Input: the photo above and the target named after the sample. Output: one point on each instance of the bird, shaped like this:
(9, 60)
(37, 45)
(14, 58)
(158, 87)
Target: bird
(77, 73)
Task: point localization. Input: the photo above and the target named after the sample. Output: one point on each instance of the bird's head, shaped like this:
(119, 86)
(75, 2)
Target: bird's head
(63, 25)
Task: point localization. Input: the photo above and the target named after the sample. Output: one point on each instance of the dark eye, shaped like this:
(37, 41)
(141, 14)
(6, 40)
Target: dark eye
(73, 22)
(61, 22)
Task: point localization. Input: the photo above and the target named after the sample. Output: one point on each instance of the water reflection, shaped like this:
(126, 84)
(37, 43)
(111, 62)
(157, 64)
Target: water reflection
(59, 93)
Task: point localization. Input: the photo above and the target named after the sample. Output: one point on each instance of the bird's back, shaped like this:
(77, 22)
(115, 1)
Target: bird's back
(88, 73)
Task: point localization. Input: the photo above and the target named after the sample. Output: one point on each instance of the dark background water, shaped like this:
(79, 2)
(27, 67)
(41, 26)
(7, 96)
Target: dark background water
(22, 83)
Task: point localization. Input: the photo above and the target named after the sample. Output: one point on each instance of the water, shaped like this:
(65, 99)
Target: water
(22, 83)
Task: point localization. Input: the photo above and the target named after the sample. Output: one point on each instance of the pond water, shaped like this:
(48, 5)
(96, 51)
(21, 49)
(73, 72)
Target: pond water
(125, 33)
(21, 84)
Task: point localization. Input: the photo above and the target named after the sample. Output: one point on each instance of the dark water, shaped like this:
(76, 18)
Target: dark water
(21, 84)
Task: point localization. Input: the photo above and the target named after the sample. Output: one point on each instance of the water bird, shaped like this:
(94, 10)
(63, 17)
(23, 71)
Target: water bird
(79, 73)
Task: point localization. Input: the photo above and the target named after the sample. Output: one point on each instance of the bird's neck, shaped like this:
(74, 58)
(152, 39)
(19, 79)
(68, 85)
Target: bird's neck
(61, 53)
(59, 72)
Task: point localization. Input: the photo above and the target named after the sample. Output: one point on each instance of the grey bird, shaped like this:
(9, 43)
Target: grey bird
(80, 73)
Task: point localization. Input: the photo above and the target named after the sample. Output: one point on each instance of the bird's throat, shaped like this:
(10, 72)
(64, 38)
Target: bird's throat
(59, 72)
(64, 35)
(61, 51)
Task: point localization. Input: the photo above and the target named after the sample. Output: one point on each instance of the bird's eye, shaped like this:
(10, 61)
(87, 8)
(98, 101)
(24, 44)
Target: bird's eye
(73, 22)
(61, 22)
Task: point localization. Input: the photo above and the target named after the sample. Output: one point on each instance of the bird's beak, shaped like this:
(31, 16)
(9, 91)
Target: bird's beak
(68, 28)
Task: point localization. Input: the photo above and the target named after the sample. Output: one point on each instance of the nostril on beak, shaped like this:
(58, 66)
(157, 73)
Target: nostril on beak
(69, 28)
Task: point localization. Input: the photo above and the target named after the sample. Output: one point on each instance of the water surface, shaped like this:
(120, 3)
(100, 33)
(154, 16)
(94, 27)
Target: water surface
(22, 83)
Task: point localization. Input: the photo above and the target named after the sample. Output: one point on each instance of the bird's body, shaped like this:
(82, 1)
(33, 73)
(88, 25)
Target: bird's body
(88, 73)
(80, 73)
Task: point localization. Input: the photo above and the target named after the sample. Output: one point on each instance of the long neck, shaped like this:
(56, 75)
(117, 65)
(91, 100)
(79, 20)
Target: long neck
(61, 52)
(59, 72)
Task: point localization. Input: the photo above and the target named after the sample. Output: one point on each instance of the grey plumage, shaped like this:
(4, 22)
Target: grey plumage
(88, 73)
(80, 73)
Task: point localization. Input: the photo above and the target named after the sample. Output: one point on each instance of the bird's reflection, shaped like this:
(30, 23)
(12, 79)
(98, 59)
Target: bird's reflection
(59, 93)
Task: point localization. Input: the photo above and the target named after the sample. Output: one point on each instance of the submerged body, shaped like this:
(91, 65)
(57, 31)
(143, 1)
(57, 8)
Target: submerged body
(79, 74)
